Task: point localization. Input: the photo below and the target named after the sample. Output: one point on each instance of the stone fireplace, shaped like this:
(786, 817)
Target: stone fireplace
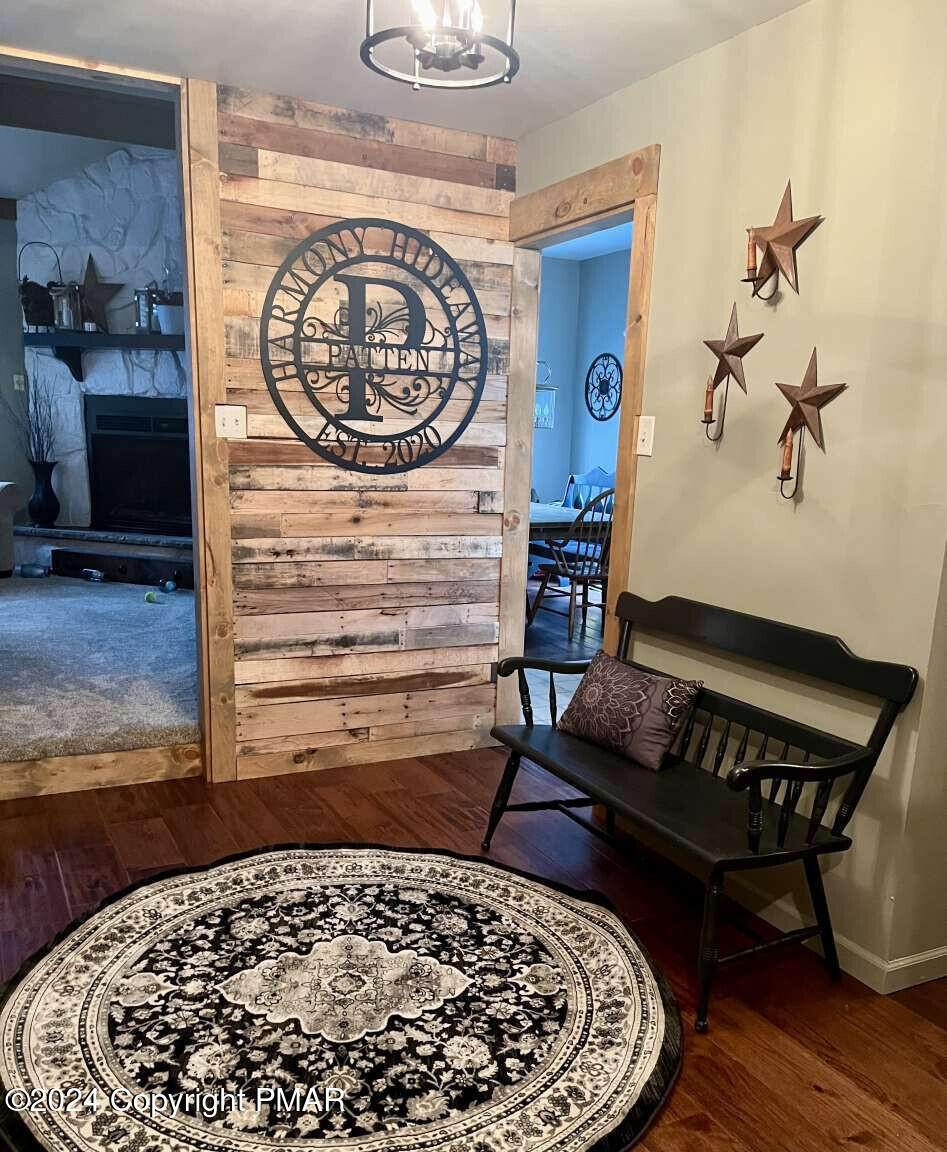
(124, 211)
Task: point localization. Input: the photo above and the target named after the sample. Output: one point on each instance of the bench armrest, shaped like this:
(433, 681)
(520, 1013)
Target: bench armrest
(752, 774)
(514, 663)
(756, 771)
(519, 664)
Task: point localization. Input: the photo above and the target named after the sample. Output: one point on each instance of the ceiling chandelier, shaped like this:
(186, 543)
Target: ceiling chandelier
(439, 51)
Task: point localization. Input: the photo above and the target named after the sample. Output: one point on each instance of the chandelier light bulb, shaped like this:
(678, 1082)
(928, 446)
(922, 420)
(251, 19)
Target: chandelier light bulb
(424, 14)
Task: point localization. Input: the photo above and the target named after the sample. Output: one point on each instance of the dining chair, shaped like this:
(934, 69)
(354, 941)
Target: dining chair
(580, 489)
(583, 486)
(581, 559)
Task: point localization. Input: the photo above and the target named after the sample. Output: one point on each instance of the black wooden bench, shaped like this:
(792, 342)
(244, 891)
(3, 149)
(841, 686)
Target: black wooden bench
(693, 810)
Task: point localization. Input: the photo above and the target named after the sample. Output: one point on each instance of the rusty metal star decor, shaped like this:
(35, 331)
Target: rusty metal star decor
(730, 352)
(806, 404)
(95, 296)
(778, 243)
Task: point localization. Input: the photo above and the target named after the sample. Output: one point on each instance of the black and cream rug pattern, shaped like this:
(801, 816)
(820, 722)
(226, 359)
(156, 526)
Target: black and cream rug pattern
(456, 1005)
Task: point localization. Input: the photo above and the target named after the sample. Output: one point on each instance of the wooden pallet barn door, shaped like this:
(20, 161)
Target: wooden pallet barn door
(348, 617)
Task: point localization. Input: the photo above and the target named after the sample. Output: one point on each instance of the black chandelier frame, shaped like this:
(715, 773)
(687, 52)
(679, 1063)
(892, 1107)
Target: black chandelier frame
(418, 78)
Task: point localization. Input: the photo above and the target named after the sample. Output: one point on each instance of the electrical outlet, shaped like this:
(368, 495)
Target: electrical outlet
(19, 382)
(230, 421)
(645, 442)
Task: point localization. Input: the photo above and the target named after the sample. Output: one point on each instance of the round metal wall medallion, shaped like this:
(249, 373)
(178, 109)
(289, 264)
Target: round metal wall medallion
(373, 346)
(603, 386)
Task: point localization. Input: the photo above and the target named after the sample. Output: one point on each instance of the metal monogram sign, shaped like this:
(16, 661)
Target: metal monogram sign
(373, 345)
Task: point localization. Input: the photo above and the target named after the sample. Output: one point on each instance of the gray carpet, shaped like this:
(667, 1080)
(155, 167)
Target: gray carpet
(93, 668)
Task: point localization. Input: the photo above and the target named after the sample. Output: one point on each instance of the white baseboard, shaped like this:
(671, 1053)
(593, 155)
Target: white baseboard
(880, 975)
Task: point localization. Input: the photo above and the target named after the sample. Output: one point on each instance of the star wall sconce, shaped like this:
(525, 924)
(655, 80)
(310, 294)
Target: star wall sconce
(806, 404)
(729, 353)
(778, 243)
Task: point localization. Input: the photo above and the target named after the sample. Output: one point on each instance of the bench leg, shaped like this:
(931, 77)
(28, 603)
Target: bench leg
(709, 951)
(502, 797)
(821, 908)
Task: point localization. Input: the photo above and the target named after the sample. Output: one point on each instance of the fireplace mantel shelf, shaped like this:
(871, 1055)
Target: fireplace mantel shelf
(69, 346)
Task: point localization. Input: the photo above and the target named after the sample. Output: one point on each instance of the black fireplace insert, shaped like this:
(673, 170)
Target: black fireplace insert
(139, 464)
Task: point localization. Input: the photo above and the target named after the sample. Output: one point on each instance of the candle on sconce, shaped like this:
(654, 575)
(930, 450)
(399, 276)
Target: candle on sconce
(785, 472)
(750, 255)
(709, 403)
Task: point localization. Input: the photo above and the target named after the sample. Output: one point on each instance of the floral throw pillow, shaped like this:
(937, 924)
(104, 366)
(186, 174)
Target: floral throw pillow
(634, 713)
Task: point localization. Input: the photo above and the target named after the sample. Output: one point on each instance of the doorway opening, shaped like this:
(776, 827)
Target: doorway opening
(579, 382)
(98, 639)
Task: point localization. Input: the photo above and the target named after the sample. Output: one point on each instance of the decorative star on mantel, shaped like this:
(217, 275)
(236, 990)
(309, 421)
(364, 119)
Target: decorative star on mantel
(807, 402)
(779, 242)
(96, 295)
(730, 352)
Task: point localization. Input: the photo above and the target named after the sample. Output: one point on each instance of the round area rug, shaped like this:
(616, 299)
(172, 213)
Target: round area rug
(347, 998)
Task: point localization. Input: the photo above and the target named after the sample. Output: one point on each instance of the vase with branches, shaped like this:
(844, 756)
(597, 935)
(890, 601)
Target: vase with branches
(35, 423)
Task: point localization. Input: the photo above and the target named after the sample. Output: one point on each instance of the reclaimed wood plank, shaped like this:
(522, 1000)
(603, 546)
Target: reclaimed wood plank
(342, 597)
(309, 740)
(319, 172)
(366, 548)
(382, 522)
(345, 687)
(360, 664)
(291, 720)
(364, 125)
(335, 572)
(260, 403)
(378, 154)
(349, 205)
(432, 570)
(352, 501)
(273, 764)
(268, 251)
(313, 625)
(280, 452)
(380, 636)
(265, 427)
(293, 226)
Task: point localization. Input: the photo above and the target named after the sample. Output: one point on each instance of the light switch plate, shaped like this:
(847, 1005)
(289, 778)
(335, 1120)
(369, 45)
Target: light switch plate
(230, 421)
(645, 442)
(19, 382)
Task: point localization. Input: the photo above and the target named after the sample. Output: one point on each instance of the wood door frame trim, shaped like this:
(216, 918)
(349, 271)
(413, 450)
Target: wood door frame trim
(627, 185)
(213, 582)
(206, 304)
(83, 770)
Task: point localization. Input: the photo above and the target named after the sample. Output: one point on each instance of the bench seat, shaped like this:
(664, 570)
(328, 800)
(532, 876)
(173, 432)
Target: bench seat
(682, 804)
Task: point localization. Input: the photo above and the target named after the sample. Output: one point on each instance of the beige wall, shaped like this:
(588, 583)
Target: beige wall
(849, 99)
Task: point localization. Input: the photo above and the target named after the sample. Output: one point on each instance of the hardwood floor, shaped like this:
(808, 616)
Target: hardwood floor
(547, 637)
(791, 1063)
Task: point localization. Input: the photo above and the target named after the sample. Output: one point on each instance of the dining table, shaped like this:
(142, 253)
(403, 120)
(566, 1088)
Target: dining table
(550, 521)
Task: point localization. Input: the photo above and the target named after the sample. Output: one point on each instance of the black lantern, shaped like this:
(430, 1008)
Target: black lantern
(439, 51)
